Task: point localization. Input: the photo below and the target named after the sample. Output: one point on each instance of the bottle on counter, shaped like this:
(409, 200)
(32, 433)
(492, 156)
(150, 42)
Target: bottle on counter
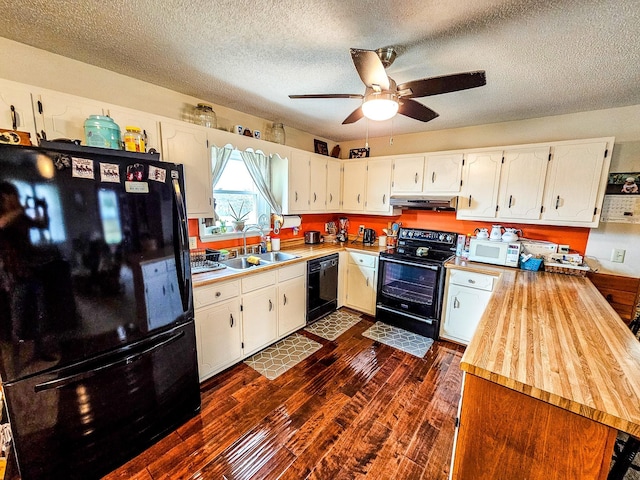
(268, 240)
(134, 140)
(467, 246)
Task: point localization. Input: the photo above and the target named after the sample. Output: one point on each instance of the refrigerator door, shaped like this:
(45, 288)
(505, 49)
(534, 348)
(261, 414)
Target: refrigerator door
(98, 260)
(83, 421)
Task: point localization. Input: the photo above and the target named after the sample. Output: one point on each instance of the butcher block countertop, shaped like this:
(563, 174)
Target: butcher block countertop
(554, 337)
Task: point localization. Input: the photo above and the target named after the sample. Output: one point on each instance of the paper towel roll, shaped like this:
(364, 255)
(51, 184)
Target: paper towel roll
(291, 221)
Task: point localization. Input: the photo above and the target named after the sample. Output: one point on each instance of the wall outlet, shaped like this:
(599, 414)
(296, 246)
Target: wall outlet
(617, 255)
(193, 243)
(563, 248)
(361, 230)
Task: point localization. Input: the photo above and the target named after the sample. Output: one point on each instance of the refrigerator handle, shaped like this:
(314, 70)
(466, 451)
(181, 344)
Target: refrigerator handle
(183, 244)
(76, 377)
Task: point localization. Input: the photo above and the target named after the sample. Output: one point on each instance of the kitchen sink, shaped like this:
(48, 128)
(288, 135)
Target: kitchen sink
(274, 257)
(241, 263)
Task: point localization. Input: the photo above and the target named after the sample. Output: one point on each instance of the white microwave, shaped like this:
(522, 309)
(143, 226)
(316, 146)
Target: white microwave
(497, 253)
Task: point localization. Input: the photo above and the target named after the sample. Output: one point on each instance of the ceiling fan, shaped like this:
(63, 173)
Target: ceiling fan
(383, 98)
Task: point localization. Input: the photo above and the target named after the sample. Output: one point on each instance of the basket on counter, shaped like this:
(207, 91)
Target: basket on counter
(575, 270)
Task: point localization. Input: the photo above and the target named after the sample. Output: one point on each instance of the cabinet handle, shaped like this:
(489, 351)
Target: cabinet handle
(384, 198)
(456, 303)
(367, 281)
(469, 201)
(415, 180)
(557, 201)
(314, 197)
(296, 196)
(433, 177)
(270, 305)
(358, 198)
(218, 294)
(510, 199)
(609, 298)
(330, 197)
(231, 320)
(471, 281)
(284, 298)
(14, 120)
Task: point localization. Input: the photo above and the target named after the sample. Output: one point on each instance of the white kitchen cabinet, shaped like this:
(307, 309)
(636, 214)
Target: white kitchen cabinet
(187, 144)
(480, 182)
(16, 111)
(334, 185)
(522, 183)
(466, 297)
(408, 173)
(218, 327)
(292, 309)
(148, 123)
(317, 183)
(259, 311)
(299, 175)
(378, 189)
(354, 181)
(361, 277)
(442, 173)
(573, 190)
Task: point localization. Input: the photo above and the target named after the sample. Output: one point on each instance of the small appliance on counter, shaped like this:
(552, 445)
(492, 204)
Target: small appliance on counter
(369, 236)
(343, 229)
(494, 252)
(312, 237)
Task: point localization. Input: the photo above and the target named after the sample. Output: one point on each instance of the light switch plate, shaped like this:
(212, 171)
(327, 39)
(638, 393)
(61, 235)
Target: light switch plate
(617, 255)
(193, 243)
(361, 230)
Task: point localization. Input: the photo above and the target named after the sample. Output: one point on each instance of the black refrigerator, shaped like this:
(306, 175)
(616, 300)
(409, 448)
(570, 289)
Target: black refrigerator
(98, 352)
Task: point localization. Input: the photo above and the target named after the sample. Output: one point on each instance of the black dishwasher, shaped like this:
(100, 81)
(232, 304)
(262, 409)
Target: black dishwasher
(322, 287)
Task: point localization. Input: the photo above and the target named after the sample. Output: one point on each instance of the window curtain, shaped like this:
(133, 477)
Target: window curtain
(220, 158)
(259, 167)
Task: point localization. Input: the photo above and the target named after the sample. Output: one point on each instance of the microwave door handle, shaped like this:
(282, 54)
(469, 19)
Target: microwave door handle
(413, 264)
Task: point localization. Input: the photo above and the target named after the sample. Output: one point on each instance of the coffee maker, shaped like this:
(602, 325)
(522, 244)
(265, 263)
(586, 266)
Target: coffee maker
(343, 229)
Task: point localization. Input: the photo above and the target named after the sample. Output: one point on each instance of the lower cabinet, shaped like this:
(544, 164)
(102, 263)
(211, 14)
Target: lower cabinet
(467, 295)
(361, 278)
(238, 318)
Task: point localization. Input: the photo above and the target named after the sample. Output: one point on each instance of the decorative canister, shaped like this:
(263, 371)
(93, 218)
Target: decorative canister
(134, 140)
(204, 115)
(101, 131)
(277, 133)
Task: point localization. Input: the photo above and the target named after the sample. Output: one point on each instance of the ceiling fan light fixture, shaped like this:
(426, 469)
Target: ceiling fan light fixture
(380, 106)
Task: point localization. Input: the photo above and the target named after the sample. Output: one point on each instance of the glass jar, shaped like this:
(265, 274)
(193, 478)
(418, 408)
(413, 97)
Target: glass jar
(133, 140)
(277, 132)
(101, 131)
(204, 115)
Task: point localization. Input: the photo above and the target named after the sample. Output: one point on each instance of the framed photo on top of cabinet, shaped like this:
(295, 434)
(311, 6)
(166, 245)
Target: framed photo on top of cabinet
(320, 147)
(359, 152)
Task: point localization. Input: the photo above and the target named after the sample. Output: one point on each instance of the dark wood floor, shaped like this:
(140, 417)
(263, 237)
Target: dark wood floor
(354, 409)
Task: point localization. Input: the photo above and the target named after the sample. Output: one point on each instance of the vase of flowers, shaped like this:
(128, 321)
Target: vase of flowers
(238, 217)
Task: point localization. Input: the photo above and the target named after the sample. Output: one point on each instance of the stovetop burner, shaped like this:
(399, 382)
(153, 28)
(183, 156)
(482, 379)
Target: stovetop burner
(421, 244)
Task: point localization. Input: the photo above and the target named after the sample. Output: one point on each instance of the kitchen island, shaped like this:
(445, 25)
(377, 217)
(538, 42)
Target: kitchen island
(551, 376)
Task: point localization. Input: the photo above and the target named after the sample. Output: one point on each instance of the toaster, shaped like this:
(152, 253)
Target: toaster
(312, 237)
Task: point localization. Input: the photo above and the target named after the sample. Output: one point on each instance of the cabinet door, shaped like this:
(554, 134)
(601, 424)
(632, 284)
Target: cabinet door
(63, 115)
(318, 183)
(218, 337)
(187, 144)
(334, 185)
(443, 173)
(354, 175)
(16, 111)
(299, 178)
(464, 308)
(259, 319)
(522, 183)
(407, 175)
(360, 291)
(480, 181)
(573, 183)
(291, 306)
(148, 123)
(378, 188)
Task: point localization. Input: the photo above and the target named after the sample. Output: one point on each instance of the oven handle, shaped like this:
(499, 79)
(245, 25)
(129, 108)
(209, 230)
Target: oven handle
(405, 262)
(405, 314)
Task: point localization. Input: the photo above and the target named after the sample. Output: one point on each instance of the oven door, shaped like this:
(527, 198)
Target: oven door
(412, 287)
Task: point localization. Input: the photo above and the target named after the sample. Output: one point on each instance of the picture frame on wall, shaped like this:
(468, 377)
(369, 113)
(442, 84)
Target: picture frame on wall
(359, 152)
(624, 183)
(320, 147)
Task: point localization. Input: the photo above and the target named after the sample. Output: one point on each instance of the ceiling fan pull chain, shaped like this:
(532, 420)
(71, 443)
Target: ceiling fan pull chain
(366, 140)
(391, 137)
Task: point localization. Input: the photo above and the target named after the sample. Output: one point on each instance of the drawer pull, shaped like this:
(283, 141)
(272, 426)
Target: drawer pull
(609, 298)
(218, 294)
(456, 303)
(471, 280)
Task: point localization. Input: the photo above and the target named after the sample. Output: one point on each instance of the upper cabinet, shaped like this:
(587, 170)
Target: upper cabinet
(354, 181)
(408, 173)
(378, 185)
(16, 112)
(334, 185)
(442, 173)
(480, 181)
(318, 183)
(366, 186)
(188, 144)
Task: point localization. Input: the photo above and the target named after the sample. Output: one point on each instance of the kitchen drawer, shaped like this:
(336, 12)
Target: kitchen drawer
(255, 281)
(362, 259)
(203, 296)
(293, 271)
(472, 279)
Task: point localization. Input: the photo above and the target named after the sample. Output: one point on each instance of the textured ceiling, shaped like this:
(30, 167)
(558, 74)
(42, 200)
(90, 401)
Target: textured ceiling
(541, 57)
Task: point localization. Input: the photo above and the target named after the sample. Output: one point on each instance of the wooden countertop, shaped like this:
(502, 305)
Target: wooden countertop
(305, 252)
(555, 338)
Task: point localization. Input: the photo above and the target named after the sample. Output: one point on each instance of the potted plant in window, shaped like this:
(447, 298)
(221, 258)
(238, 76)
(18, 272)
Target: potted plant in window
(238, 218)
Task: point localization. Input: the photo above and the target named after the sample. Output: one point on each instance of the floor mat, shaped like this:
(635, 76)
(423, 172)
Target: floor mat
(401, 339)
(273, 361)
(333, 325)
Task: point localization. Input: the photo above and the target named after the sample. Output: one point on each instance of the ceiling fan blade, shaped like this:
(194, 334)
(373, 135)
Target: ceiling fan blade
(443, 84)
(370, 68)
(354, 117)
(416, 110)
(329, 95)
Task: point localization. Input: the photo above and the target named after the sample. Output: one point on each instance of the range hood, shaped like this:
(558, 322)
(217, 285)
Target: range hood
(426, 202)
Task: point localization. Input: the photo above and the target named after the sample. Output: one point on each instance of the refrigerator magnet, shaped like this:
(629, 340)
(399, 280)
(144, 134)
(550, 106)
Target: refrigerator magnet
(109, 172)
(135, 172)
(82, 168)
(157, 174)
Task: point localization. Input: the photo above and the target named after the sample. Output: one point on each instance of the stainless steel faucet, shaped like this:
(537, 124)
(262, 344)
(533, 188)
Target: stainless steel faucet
(244, 235)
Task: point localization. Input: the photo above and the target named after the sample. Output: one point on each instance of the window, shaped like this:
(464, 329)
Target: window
(235, 197)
